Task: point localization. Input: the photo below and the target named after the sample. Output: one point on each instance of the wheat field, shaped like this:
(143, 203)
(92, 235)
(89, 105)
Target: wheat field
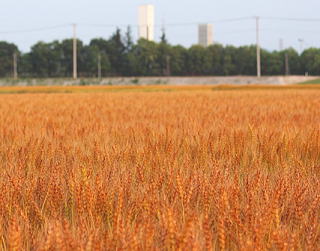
(176, 170)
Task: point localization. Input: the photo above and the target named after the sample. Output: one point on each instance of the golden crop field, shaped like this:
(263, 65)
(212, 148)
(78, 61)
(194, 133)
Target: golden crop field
(198, 169)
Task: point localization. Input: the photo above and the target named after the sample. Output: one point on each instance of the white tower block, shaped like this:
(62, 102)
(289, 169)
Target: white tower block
(205, 34)
(146, 22)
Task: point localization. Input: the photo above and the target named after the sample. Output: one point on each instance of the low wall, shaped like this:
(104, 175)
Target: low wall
(238, 80)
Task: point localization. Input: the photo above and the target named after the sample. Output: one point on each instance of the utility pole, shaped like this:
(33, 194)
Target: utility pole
(258, 47)
(75, 56)
(15, 65)
(281, 44)
(301, 41)
(287, 67)
(168, 70)
(163, 26)
(99, 66)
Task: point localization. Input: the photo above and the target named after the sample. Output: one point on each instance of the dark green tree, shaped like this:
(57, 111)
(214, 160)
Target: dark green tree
(294, 64)
(199, 61)
(7, 51)
(310, 61)
(143, 59)
(66, 58)
(121, 56)
(164, 55)
(228, 65)
(178, 61)
(216, 55)
(45, 59)
(92, 58)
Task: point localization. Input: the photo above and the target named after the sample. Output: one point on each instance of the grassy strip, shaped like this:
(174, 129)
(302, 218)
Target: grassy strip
(165, 88)
(311, 82)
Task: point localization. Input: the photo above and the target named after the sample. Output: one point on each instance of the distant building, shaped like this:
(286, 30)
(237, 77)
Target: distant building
(146, 22)
(205, 33)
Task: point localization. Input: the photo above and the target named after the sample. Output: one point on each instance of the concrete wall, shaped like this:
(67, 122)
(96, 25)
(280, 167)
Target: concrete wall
(239, 80)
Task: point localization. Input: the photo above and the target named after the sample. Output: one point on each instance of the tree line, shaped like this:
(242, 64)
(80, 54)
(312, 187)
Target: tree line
(120, 56)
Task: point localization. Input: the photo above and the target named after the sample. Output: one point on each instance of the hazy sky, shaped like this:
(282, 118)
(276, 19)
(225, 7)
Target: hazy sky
(20, 15)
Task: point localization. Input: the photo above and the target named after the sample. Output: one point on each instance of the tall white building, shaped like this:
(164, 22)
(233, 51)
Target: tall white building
(146, 22)
(205, 34)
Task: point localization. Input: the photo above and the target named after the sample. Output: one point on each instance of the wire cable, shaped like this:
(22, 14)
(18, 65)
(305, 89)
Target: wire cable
(227, 20)
(292, 19)
(36, 29)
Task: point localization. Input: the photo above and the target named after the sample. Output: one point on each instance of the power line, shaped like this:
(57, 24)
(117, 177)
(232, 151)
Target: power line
(292, 19)
(237, 31)
(36, 29)
(170, 24)
(107, 25)
(283, 30)
(227, 20)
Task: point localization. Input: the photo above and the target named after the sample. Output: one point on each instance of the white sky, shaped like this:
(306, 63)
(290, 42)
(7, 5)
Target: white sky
(16, 15)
